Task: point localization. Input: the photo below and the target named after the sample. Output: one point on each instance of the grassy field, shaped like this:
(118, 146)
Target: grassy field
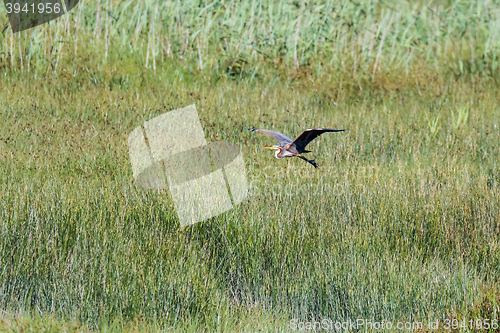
(400, 223)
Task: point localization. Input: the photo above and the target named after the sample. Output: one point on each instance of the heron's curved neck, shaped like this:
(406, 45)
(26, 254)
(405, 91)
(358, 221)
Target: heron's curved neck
(278, 152)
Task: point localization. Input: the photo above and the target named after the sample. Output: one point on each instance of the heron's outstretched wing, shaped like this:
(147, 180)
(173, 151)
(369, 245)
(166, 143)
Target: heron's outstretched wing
(280, 137)
(310, 134)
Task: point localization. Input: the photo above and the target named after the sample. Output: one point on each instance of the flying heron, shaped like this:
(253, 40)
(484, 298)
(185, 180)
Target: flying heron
(294, 148)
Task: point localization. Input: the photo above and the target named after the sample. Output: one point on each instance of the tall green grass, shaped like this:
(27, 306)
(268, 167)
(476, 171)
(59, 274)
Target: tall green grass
(396, 224)
(401, 221)
(360, 40)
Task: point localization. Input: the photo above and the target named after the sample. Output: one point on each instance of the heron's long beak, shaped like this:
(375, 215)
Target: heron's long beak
(270, 147)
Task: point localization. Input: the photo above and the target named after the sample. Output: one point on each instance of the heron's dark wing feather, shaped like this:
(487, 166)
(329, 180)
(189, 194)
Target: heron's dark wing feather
(310, 134)
(280, 137)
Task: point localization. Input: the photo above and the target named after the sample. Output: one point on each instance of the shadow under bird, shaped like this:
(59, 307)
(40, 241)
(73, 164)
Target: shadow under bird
(294, 148)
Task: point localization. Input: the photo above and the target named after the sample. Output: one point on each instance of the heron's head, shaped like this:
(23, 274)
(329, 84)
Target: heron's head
(277, 148)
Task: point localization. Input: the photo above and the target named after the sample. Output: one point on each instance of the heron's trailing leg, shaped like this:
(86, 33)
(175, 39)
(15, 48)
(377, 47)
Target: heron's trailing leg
(309, 161)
